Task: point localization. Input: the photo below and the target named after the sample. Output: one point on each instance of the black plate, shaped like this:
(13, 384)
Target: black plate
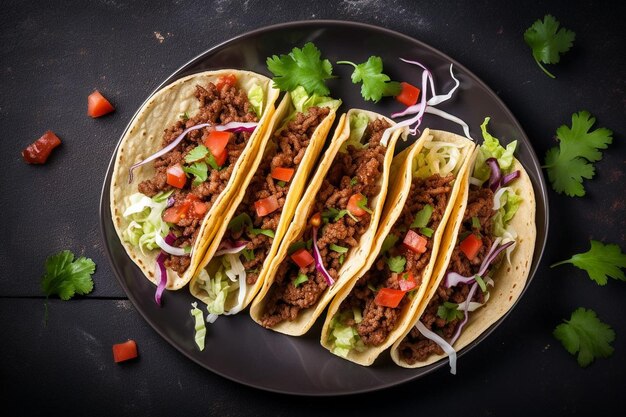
(236, 347)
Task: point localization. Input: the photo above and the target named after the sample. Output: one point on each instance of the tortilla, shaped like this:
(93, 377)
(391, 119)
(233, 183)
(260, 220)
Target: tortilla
(354, 258)
(403, 170)
(296, 189)
(509, 279)
(143, 138)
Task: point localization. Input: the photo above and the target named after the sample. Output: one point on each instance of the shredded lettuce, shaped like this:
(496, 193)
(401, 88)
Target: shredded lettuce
(255, 97)
(345, 338)
(146, 222)
(509, 204)
(199, 326)
(302, 101)
(222, 276)
(437, 158)
(491, 148)
(358, 124)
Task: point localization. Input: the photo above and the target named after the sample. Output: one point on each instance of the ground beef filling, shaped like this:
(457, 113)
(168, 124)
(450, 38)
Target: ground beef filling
(354, 171)
(417, 348)
(378, 321)
(228, 104)
(291, 143)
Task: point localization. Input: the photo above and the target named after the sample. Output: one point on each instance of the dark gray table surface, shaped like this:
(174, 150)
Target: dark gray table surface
(53, 54)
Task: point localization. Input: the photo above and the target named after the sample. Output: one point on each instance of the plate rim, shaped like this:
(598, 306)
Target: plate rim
(540, 188)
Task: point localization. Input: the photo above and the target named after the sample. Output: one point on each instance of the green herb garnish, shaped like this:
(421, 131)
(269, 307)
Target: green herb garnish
(196, 154)
(248, 254)
(266, 232)
(600, 262)
(354, 181)
(547, 41)
(342, 258)
(449, 311)
(281, 183)
(362, 203)
(296, 246)
(199, 170)
(388, 243)
(396, 263)
(573, 159)
(301, 67)
(337, 248)
(238, 223)
(481, 283)
(422, 217)
(301, 278)
(475, 223)
(376, 84)
(427, 231)
(586, 335)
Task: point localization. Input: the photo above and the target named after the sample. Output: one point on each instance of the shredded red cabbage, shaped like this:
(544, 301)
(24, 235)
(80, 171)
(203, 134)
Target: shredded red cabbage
(496, 175)
(491, 256)
(453, 279)
(226, 246)
(228, 127)
(465, 319)
(162, 277)
(510, 177)
(319, 264)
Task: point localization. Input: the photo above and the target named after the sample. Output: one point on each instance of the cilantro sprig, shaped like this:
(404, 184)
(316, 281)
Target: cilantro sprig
(66, 276)
(586, 335)
(578, 149)
(376, 84)
(301, 67)
(600, 262)
(547, 41)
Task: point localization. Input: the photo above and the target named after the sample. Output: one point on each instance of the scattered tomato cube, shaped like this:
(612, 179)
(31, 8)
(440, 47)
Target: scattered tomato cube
(39, 151)
(124, 351)
(409, 94)
(97, 105)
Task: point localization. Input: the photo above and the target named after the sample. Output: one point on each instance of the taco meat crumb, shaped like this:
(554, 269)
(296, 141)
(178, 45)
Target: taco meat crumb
(417, 348)
(228, 104)
(291, 143)
(378, 321)
(284, 300)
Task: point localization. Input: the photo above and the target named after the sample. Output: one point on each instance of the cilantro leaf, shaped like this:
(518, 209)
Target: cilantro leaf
(196, 154)
(547, 41)
(396, 263)
(422, 217)
(600, 262)
(301, 67)
(388, 243)
(570, 162)
(586, 334)
(449, 311)
(199, 170)
(66, 277)
(376, 84)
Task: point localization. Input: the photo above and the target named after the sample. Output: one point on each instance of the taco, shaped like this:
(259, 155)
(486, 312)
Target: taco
(370, 313)
(333, 228)
(484, 270)
(237, 260)
(169, 190)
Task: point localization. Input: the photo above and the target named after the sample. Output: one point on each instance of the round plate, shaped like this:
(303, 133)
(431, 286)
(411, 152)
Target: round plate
(236, 347)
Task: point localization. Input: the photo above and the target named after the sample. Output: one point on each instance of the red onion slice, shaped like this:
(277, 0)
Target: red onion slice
(491, 256)
(465, 319)
(229, 127)
(496, 174)
(510, 177)
(167, 247)
(162, 277)
(453, 279)
(227, 246)
(319, 264)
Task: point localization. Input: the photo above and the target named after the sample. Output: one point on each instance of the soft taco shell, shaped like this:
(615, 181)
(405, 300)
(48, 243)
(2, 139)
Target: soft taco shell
(296, 190)
(143, 138)
(509, 280)
(354, 258)
(402, 169)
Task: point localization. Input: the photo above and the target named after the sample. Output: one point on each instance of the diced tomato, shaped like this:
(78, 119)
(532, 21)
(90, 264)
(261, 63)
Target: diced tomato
(406, 281)
(227, 79)
(409, 94)
(302, 257)
(39, 151)
(97, 105)
(415, 242)
(353, 204)
(190, 207)
(221, 159)
(217, 141)
(316, 220)
(388, 297)
(282, 174)
(124, 351)
(266, 206)
(199, 208)
(176, 176)
(471, 245)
